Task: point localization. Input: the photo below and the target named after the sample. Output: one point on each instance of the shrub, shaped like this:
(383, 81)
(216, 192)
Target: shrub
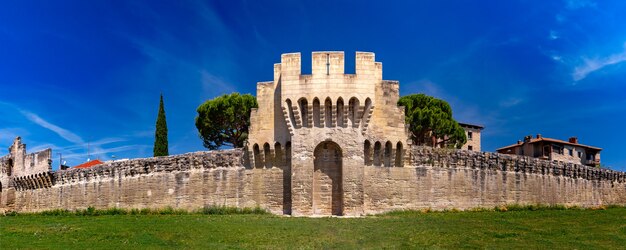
(222, 210)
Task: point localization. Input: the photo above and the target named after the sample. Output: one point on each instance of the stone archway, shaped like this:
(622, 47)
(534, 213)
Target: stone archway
(327, 179)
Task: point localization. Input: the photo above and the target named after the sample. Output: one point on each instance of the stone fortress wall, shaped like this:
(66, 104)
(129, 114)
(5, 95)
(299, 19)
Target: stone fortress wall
(20, 168)
(327, 143)
(430, 178)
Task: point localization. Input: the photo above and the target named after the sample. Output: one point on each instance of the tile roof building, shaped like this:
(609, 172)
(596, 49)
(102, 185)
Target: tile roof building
(472, 132)
(553, 149)
(89, 164)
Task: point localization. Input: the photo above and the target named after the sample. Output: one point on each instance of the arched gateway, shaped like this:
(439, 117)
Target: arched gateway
(327, 179)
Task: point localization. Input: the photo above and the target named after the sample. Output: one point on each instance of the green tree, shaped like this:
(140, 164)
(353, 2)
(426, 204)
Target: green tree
(430, 121)
(160, 135)
(225, 120)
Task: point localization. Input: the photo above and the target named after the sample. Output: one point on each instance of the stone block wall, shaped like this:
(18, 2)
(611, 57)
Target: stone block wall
(445, 179)
(429, 178)
(189, 181)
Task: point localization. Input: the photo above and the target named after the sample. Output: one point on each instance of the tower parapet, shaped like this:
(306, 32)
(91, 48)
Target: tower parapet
(290, 66)
(330, 116)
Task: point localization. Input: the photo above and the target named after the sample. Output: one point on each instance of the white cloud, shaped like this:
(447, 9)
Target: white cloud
(144, 133)
(510, 102)
(41, 147)
(8, 134)
(64, 133)
(554, 35)
(103, 152)
(560, 18)
(69, 152)
(94, 144)
(577, 4)
(591, 65)
(213, 85)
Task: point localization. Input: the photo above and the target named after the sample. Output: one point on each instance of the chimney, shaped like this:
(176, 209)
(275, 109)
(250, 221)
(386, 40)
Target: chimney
(573, 139)
(528, 138)
(538, 136)
(519, 142)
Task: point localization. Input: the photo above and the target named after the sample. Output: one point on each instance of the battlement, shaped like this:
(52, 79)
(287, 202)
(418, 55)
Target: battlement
(326, 63)
(19, 163)
(425, 178)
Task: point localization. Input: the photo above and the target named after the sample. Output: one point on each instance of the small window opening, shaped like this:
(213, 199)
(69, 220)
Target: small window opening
(327, 64)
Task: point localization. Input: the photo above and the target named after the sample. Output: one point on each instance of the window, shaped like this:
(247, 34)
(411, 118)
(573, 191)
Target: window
(469, 135)
(580, 154)
(570, 151)
(470, 148)
(546, 150)
(557, 149)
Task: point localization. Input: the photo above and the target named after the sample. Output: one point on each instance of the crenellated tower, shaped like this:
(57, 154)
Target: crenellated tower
(322, 129)
(19, 170)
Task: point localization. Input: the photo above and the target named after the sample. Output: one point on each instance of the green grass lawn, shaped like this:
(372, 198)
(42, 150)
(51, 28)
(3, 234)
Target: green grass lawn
(543, 229)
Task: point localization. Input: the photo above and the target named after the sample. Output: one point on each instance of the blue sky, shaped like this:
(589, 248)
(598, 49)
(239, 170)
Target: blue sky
(78, 72)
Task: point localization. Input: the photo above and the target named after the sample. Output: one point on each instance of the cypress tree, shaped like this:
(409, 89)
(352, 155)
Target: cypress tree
(160, 136)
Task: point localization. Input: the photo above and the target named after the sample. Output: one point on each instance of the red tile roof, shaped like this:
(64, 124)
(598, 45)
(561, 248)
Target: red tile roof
(534, 140)
(89, 164)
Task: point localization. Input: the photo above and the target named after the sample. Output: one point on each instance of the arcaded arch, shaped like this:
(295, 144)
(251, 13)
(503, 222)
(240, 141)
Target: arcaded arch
(366, 110)
(316, 113)
(367, 149)
(267, 155)
(399, 155)
(279, 160)
(258, 162)
(377, 153)
(290, 113)
(387, 157)
(304, 111)
(328, 112)
(368, 103)
(340, 116)
(353, 111)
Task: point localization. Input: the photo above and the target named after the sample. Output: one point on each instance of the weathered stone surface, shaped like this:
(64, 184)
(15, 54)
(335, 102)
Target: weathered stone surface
(328, 143)
(434, 178)
(349, 112)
